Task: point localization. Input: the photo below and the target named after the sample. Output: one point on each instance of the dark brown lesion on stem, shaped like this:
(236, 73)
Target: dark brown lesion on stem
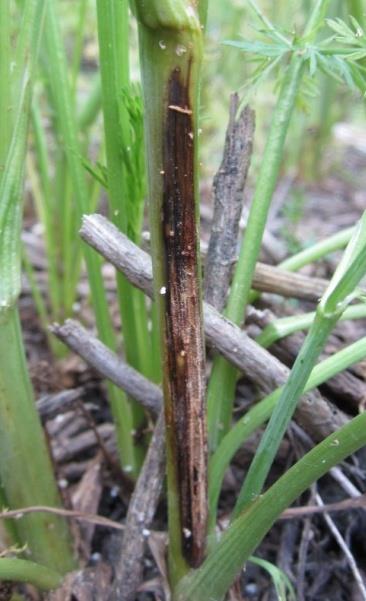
(185, 390)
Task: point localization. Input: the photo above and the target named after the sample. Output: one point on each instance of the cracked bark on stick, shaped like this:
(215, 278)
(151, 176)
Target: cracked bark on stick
(314, 413)
(228, 187)
(170, 35)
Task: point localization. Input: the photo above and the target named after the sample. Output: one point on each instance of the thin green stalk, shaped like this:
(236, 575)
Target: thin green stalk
(222, 382)
(5, 96)
(357, 9)
(126, 201)
(340, 290)
(38, 301)
(25, 467)
(282, 327)
(21, 570)
(42, 193)
(261, 412)
(221, 388)
(223, 565)
(318, 250)
(65, 114)
(91, 108)
(170, 34)
(78, 45)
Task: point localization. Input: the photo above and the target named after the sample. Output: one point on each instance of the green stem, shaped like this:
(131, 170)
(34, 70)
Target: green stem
(64, 107)
(78, 45)
(25, 469)
(342, 286)
(282, 327)
(5, 96)
(42, 193)
(357, 9)
(113, 45)
(21, 570)
(261, 412)
(222, 382)
(284, 409)
(221, 389)
(318, 251)
(170, 34)
(223, 565)
(92, 105)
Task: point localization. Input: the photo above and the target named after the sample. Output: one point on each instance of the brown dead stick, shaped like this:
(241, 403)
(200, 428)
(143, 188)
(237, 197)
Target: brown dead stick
(98, 520)
(300, 512)
(346, 389)
(317, 416)
(109, 364)
(291, 285)
(228, 188)
(51, 405)
(141, 511)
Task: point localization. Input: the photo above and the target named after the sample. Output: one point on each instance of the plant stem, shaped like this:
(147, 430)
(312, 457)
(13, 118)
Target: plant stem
(284, 409)
(171, 53)
(222, 382)
(63, 103)
(261, 412)
(347, 276)
(220, 569)
(221, 389)
(317, 251)
(21, 570)
(282, 327)
(90, 109)
(25, 469)
(5, 96)
(113, 45)
(357, 9)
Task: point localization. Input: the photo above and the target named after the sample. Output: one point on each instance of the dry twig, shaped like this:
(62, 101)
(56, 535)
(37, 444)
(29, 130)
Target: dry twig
(228, 187)
(141, 510)
(315, 414)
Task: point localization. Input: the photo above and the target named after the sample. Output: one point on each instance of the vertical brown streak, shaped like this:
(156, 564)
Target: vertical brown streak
(185, 418)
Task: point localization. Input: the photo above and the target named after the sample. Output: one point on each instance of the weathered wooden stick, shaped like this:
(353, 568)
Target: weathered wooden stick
(228, 188)
(51, 405)
(141, 511)
(317, 416)
(96, 354)
(292, 285)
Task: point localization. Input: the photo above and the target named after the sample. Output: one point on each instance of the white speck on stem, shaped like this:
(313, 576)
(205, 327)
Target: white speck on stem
(146, 532)
(162, 44)
(63, 483)
(187, 533)
(162, 290)
(180, 50)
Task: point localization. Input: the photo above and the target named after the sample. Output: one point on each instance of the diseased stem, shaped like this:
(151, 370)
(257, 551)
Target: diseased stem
(170, 36)
(221, 334)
